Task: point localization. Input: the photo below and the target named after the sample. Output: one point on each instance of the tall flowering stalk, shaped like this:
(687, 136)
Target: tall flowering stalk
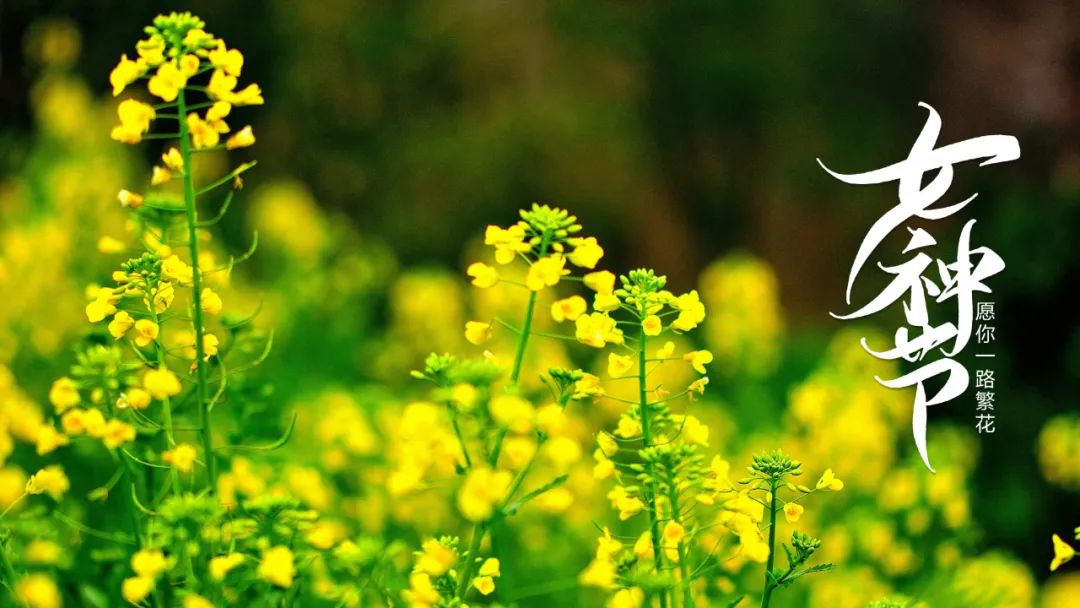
(546, 241)
(174, 57)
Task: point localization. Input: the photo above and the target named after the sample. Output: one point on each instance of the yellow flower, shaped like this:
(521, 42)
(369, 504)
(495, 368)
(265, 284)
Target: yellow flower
(627, 504)
(546, 272)
(149, 563)
(43, 552)
(211, 301)
(221, 565)
(120, 324)
(125, 73)
(673, 534)
(484, 584)
(197, 601)
(421, 593)
(163, 297)
(618, 365)
(483, 275)
(136, 588)
(600, 282)
(151, 51)
(203, 134)
(792, 512)
(586, 252)
(829, 481)
(146, 331)
(693, 430)
(167, 81)
(698, 386)
(481, 492)
(250, 95)
(131, 200)
(229, 61)
(699, 359)
(134, 397)
(109, 245)
(597, 329)
(173, 159)
(197, 38)
(477, 332)
(691, 311)
(630, 597)
(189, 64)
(159, 176)
(606, 302)
(182, 457)
(1063, 552)
(507, 242)
(135, 117)
(117, 433)
(64, 394)
(38, 591)
(436, 558)
(277, 566)
(161, 383)
(48, 439)
(568, 309)
(241, 139)
(652, 325)
(490, 567)
(51, 480)
(221, 85)
(175, 269)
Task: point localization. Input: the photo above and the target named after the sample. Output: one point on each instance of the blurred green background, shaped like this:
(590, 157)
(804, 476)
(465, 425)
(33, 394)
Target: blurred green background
(677, 131)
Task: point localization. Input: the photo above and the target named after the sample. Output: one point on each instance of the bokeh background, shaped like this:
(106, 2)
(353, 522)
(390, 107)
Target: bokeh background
(679, 132)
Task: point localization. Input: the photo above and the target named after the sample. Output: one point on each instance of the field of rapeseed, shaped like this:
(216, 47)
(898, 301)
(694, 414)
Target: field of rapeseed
(214, 392)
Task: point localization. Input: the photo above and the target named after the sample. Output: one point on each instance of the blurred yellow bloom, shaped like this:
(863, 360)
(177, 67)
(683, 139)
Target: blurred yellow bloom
(601, 282)
(38, 591)
(597, 329)
(146, 331)
(490, 567)
(507, 242)
(691, 311)
(699, 359)
(421, 593)
(568, 309)
(221, 565)
(241, 139)
(135, 117)
(149, 563)
(277, 566)
(477, 332)
(484, 584)
(481, 492)
(175, 269)
(48, 439)
(203, 134)
(211, 301)
(230, 61)
(606, 302)
(189, 64)
(435, 558)
(546, 272)
(628, 427)
(167, 81)
(1063, 552)
(792, 512)
(50, 480)
(483, 275)
(173, 159)
(117, 433)
(673, 534)
(159, 176)
(182, 457)
(125, 73)
(652, 325)
(586, 252)
(829, 481)
(197, 601)
(619, 365)
(151, 51)
(136, 588)
(161, 383)
(109, 245)
(131, 200)
(630, 597)
(64, 394)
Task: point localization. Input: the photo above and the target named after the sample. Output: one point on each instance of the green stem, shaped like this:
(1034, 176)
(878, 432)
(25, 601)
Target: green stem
(196, 296)
(767, 595)
(646, 438)
(480, 528)
(688, 593)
